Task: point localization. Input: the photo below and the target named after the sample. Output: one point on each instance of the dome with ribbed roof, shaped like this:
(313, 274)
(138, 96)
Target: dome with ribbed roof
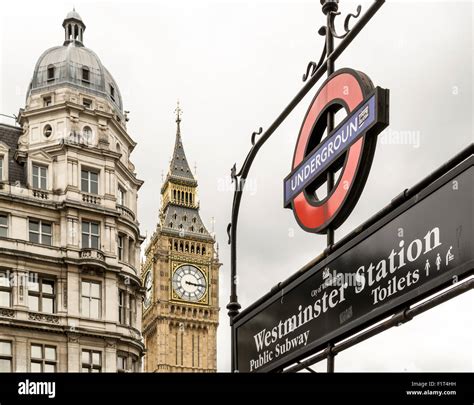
(73, 14)
(75, 65)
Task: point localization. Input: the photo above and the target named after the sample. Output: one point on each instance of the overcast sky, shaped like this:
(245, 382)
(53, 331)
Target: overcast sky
(234, 66)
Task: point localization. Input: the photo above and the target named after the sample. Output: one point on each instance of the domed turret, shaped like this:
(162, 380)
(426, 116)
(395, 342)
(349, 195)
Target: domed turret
(74, 65)
(74, 27)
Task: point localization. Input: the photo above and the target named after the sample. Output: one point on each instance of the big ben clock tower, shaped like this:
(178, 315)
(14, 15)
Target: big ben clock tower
(181, 278)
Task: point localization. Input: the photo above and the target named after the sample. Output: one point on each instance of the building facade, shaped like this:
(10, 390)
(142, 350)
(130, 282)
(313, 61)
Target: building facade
(70, 288)
(181, 278)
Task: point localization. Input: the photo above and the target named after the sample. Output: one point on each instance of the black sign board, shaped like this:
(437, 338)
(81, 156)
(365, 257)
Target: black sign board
(422, 246)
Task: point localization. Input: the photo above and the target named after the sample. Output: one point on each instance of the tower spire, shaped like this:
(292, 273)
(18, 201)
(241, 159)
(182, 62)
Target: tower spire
(179, 167)
(178, 112)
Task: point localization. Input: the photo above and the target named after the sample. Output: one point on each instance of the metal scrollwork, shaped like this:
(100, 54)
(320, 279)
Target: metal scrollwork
(233, 173)
(323, 31)
(313, 66)
(229, 227)
(334, 14)
(254, 134)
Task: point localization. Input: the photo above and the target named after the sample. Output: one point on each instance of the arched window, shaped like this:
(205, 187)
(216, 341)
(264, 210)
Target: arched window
(51, 71)
(112, 92)
(87, 134)
(203, 250)
(85, 74)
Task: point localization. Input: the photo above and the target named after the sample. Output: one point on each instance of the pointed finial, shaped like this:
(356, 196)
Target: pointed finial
(178, 112)
(162, 176)
(195, 168)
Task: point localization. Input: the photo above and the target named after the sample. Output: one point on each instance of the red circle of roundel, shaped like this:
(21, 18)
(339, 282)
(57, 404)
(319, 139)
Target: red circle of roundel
(346, 88)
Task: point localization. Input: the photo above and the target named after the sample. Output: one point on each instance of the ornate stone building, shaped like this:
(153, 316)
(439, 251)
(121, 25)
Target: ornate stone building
(70, 290)
(181, 279)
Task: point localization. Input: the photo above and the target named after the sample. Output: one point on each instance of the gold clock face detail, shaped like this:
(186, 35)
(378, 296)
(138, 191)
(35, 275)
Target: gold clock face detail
(148, 284)
(189, 283)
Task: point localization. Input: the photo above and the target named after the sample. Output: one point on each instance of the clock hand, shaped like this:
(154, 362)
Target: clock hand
(193, 284)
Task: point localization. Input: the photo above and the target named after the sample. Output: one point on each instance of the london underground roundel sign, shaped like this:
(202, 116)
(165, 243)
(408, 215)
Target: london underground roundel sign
(349, 147)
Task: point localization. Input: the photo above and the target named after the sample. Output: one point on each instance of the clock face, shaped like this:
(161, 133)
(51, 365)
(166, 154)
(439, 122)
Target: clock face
(148, 284)
(189, 283)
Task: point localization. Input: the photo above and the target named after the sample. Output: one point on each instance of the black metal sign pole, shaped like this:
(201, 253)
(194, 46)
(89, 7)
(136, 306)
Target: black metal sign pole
(329, 7)
(313, 73)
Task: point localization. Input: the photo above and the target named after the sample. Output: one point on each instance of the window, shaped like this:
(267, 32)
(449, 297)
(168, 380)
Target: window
(90, 235)
(121, 363)
(3, 225)
(134, 365)
(41, 294)
(40, 232)
(120, 247)
(43, 359)
(91, 361)
(5, 289)
(50, 73)
(90, 181)
(40, 176)
(47, 130)
(87, 133)
(91, 301)
(121, 196)
(132, 311)
(85, 74)
(127, 308)
(112, 92)
(131, 252)
(87, 103)
(6, 356)
(1, 168)
(122, 306)
(47, 101)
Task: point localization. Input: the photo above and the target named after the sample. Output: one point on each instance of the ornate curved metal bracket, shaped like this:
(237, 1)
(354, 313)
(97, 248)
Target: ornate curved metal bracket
(229, 227)
(334, 14)
(233, 173)
(313, 66)
(254, 134)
